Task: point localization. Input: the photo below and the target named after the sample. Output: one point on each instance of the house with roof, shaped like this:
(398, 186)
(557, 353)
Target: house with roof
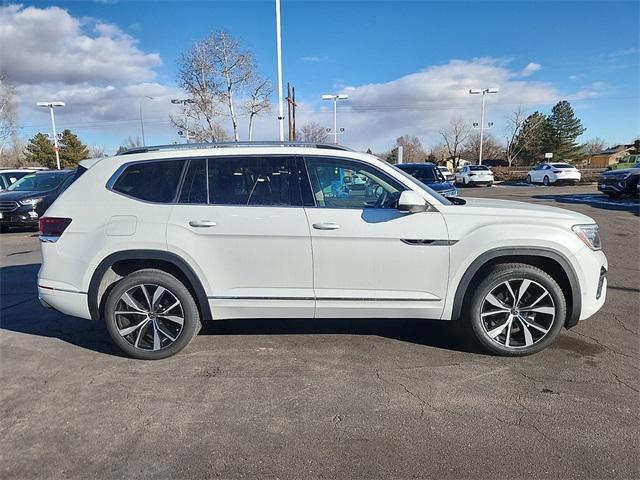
(614, 155)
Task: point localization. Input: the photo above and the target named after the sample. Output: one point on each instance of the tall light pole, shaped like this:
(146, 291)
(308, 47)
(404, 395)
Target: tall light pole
(279, 53)
(335, 99)
(183, 102)
(51, 106)
(144, 143)
(476, 91)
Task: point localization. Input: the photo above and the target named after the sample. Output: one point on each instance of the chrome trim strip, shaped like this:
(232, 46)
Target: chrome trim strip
(61, 290)
(353, 299)
(425, 242)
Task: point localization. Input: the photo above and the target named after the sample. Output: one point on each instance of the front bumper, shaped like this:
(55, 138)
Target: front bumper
(593, 280)
(22, 216)
(616, 186)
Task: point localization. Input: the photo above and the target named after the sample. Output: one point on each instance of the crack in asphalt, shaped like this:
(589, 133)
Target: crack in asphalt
(606, 347)
(622, 382)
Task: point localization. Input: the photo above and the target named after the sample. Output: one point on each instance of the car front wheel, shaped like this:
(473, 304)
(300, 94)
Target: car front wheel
(151, 315)
(529, 179)
(545, 181)
(516, 309)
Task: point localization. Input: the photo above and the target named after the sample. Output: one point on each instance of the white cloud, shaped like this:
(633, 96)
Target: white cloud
(423, 103)
(41, 45)
(530, 69)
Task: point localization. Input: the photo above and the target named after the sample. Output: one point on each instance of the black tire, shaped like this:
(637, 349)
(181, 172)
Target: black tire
(545, 181)
(493, 279)
(529, 179)
(152, 277)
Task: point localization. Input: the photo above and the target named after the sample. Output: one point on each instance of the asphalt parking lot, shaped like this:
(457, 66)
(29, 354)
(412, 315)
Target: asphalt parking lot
(326, 399)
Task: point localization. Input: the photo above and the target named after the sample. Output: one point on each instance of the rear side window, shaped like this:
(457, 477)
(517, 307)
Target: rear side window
(151, 181)
(194, 186)
(254, 181)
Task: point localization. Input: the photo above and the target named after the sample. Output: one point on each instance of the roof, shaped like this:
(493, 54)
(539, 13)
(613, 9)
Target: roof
(421, 164)
(197, 146)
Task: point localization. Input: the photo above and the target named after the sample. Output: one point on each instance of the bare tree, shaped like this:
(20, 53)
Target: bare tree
(313, 132)
(198, 76)
(258, 102)
(236, 68)
(97, 151)
(7, 113)
(490, 147)
(438, 153)
(412, 151)
(522, 134)
(593, 146)
(127, 143)
(454, 137)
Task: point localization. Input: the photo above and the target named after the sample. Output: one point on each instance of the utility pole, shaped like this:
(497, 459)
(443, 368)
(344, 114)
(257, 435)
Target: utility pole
(291, 111)
(279, 54)
(475, 91)
(335, 99)
(51, 106)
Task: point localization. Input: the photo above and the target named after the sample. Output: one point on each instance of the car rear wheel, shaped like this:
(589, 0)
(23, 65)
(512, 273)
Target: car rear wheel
(151, 315)
(516, 310)
(545, 181)
(529, 179)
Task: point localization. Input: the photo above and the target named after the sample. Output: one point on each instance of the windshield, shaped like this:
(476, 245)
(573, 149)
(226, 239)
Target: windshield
(425, 174)
(478, 167)
(38, 182)
(443, 200)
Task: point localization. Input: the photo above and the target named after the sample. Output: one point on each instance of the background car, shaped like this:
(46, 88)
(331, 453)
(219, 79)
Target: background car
(430, 175)
(620, 182)
(10, 176)
(25, 201)
(554, 173)
(449, 177)
(475, 175)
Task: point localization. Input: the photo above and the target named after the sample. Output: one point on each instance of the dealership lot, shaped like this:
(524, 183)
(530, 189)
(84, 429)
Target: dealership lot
(329, 399)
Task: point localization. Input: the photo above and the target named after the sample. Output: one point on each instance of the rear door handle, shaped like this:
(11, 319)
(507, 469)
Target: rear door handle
(202, 223)
(326, 226)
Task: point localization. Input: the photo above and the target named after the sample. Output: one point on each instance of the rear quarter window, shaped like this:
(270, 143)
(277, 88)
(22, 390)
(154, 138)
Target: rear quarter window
(150, 181)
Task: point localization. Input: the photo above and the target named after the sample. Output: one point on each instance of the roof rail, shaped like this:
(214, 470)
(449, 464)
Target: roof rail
(193, 146)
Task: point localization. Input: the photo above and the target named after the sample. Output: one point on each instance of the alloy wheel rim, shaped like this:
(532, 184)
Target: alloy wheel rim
(517, 313)
(149, 317)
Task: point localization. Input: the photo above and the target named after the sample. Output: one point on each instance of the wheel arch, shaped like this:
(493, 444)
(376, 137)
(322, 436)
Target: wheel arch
(560, 269)
(104, 276)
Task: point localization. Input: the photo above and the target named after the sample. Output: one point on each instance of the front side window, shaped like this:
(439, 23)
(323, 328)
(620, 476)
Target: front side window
(338, 183)
(254, 181)
(151, 181)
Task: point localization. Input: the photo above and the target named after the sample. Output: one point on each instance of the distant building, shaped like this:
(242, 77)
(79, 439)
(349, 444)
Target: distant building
(613, 155)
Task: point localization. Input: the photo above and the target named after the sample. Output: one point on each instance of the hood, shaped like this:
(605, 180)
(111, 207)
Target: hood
(16, 196)
(440, 186)
(624, 171)
(509, 208)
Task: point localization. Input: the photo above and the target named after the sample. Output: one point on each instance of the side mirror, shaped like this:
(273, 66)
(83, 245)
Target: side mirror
(411, 202)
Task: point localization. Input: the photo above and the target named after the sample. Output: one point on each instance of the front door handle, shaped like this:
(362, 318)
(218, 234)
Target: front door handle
(202, 223)
(326, 226)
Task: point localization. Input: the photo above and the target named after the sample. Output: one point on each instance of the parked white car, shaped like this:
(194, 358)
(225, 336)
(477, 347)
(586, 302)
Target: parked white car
(158, 239)
(475, 175)
(554, 173)
(448, 176)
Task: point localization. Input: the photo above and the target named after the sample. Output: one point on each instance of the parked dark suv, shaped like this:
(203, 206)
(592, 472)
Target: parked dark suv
(429, 174)
(622, 181)
(25, 201)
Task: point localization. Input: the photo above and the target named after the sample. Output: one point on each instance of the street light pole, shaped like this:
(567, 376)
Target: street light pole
(335, 99)
(279, 54)
(483, 92)
(51, 106)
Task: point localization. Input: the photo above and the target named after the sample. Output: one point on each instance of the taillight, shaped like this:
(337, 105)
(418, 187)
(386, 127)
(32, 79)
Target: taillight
(557, 171)
(52, 227)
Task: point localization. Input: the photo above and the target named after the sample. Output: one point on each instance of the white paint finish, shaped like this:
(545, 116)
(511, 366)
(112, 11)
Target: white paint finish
(121, 226)
(549, 170)
(250, 252)
(242, 308)
(366, 258)
(74, 304)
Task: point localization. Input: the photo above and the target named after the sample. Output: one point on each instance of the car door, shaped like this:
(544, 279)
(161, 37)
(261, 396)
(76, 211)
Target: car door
(370, 259)
(240, 222)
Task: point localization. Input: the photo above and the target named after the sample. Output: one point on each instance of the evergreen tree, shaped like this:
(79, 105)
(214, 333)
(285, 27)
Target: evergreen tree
(534, 139)
(72, 150)
(565, 129)
(39, 151)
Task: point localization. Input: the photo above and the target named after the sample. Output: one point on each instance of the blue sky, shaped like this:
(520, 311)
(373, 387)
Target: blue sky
(386, 54)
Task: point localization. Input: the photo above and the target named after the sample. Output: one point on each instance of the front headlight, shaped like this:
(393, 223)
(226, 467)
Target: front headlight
(589, 234)
(30, 201)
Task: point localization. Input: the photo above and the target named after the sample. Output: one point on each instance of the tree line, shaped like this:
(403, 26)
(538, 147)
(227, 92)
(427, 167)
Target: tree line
(526, 140)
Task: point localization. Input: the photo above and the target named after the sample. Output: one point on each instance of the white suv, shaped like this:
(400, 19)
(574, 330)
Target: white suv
(156, 240)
